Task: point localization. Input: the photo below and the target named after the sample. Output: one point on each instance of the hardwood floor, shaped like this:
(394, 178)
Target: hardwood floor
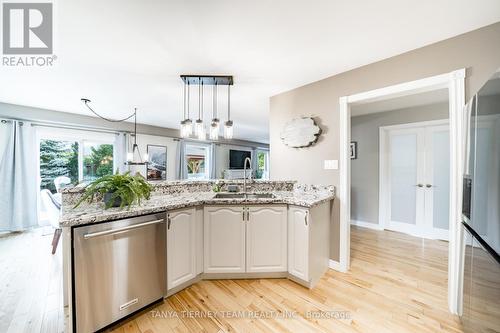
(397, 283)
(30, 283)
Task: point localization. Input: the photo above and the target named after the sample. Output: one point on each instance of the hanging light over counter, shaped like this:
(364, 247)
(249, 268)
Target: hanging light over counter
(200, 130)
(134, 157)
(228, 125)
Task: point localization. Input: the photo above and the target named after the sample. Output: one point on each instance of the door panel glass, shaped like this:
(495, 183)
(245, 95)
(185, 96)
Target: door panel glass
(403, 166)
(441, 179)
(483, 177)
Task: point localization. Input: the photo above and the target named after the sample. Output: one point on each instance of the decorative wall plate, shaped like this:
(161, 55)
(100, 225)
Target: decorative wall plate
(300, 132)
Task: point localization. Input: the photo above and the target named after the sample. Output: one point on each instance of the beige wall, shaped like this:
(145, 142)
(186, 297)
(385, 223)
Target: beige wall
(477, 51)
(365, 169)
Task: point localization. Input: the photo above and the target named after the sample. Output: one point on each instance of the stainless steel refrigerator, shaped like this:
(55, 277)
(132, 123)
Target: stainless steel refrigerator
(481, 211)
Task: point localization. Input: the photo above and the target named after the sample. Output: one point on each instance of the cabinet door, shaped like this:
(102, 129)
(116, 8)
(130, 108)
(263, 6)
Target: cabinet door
(266, 239)
(224, 239)
(298, 242)
(181, 247)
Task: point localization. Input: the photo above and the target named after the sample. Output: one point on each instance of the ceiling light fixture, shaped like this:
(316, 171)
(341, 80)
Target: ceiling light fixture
(186, 123)
(228, 125)
(214, 125)
(134, 157)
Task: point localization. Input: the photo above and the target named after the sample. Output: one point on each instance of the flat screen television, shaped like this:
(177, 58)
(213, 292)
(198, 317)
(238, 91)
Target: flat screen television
(237, 158)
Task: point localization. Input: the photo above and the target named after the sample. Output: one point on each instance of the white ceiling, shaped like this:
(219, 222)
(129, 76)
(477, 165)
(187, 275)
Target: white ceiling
(409, 101)
(123, 54)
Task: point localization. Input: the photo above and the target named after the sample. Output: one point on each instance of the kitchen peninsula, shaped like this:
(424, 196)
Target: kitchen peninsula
(118, 261)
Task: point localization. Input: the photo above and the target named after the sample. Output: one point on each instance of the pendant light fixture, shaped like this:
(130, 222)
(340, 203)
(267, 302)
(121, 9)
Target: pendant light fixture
(134, 157)
(200, 127)
(228, 125)
(215, 123)
(186, 123)
(214, 126)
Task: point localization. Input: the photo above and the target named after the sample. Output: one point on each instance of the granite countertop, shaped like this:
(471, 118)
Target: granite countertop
(93, 213)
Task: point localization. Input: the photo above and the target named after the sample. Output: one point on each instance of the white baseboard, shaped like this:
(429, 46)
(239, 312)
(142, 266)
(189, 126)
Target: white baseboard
(335, 265)
(368, 225)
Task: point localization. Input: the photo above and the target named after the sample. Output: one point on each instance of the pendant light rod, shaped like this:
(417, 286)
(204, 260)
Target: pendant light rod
(184, 114)
(199, 101)
(135, 126)
(228, 102)
(188, 98)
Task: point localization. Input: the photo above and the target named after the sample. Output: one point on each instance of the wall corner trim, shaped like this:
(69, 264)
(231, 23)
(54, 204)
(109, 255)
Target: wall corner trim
(335, 265)
(368, 225)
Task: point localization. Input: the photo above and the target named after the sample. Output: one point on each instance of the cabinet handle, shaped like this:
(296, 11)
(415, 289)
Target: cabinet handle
(248, 214)
(428, 185)
(169, 221)
(305, 219)
(115, 231)
(243, 214)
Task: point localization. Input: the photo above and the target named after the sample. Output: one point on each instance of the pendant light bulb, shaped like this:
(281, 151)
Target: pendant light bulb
(228, 130)
(200, 129)
(214, 129)
(188, 124)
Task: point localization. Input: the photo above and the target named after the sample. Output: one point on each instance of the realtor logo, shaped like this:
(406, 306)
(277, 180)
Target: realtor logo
(27, 28)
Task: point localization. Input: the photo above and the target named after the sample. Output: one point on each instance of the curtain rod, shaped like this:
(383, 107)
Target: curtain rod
(104, 130)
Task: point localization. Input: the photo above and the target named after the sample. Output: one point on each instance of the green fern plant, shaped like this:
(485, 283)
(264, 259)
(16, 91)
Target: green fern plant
(118, 190)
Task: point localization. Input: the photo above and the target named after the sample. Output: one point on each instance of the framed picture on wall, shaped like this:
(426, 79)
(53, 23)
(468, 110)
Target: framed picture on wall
(157, 162)
(354, 150)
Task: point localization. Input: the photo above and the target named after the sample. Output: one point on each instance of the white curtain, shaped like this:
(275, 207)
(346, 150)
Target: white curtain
(18, 177)
(212, 159)
(180, 164)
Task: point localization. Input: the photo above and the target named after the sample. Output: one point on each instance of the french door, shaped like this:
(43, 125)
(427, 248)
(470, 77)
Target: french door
(416, 180)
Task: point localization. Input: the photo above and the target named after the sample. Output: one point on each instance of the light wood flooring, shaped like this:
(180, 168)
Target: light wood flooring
(397, 283)
(30, 283)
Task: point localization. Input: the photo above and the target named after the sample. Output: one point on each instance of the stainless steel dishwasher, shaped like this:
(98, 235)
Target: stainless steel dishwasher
(119, 268)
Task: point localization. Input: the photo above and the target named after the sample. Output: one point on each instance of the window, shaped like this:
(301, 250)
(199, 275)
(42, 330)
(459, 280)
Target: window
(197, 161)
(97, 160)
(262, 171)
(58, 158)
(73, 154)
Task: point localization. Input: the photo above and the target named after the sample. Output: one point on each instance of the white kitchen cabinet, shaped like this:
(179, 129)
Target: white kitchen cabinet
(298, 242)
(266, 238)
(181, 247)
(224, 239)
(308, 243)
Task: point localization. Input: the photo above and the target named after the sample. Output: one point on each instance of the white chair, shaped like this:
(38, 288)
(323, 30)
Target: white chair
(53, 209)
(60, 182)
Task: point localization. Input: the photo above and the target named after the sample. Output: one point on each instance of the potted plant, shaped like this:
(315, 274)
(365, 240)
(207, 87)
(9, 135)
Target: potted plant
(118, 190)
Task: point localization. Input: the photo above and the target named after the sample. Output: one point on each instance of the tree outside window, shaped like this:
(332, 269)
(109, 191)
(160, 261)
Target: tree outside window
(58, 158)
(97, 160)
(262, 169)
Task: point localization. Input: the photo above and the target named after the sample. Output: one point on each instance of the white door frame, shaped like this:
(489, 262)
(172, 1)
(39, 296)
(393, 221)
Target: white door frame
(384, 180)
(455, 83)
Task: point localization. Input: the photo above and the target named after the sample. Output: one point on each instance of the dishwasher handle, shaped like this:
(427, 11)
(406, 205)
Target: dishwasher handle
(117, 230)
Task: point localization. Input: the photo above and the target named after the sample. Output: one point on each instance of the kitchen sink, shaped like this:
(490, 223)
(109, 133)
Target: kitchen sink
(244, 196)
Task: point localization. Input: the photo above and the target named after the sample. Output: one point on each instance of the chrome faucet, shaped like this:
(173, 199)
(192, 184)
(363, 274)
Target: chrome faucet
(245, 174)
